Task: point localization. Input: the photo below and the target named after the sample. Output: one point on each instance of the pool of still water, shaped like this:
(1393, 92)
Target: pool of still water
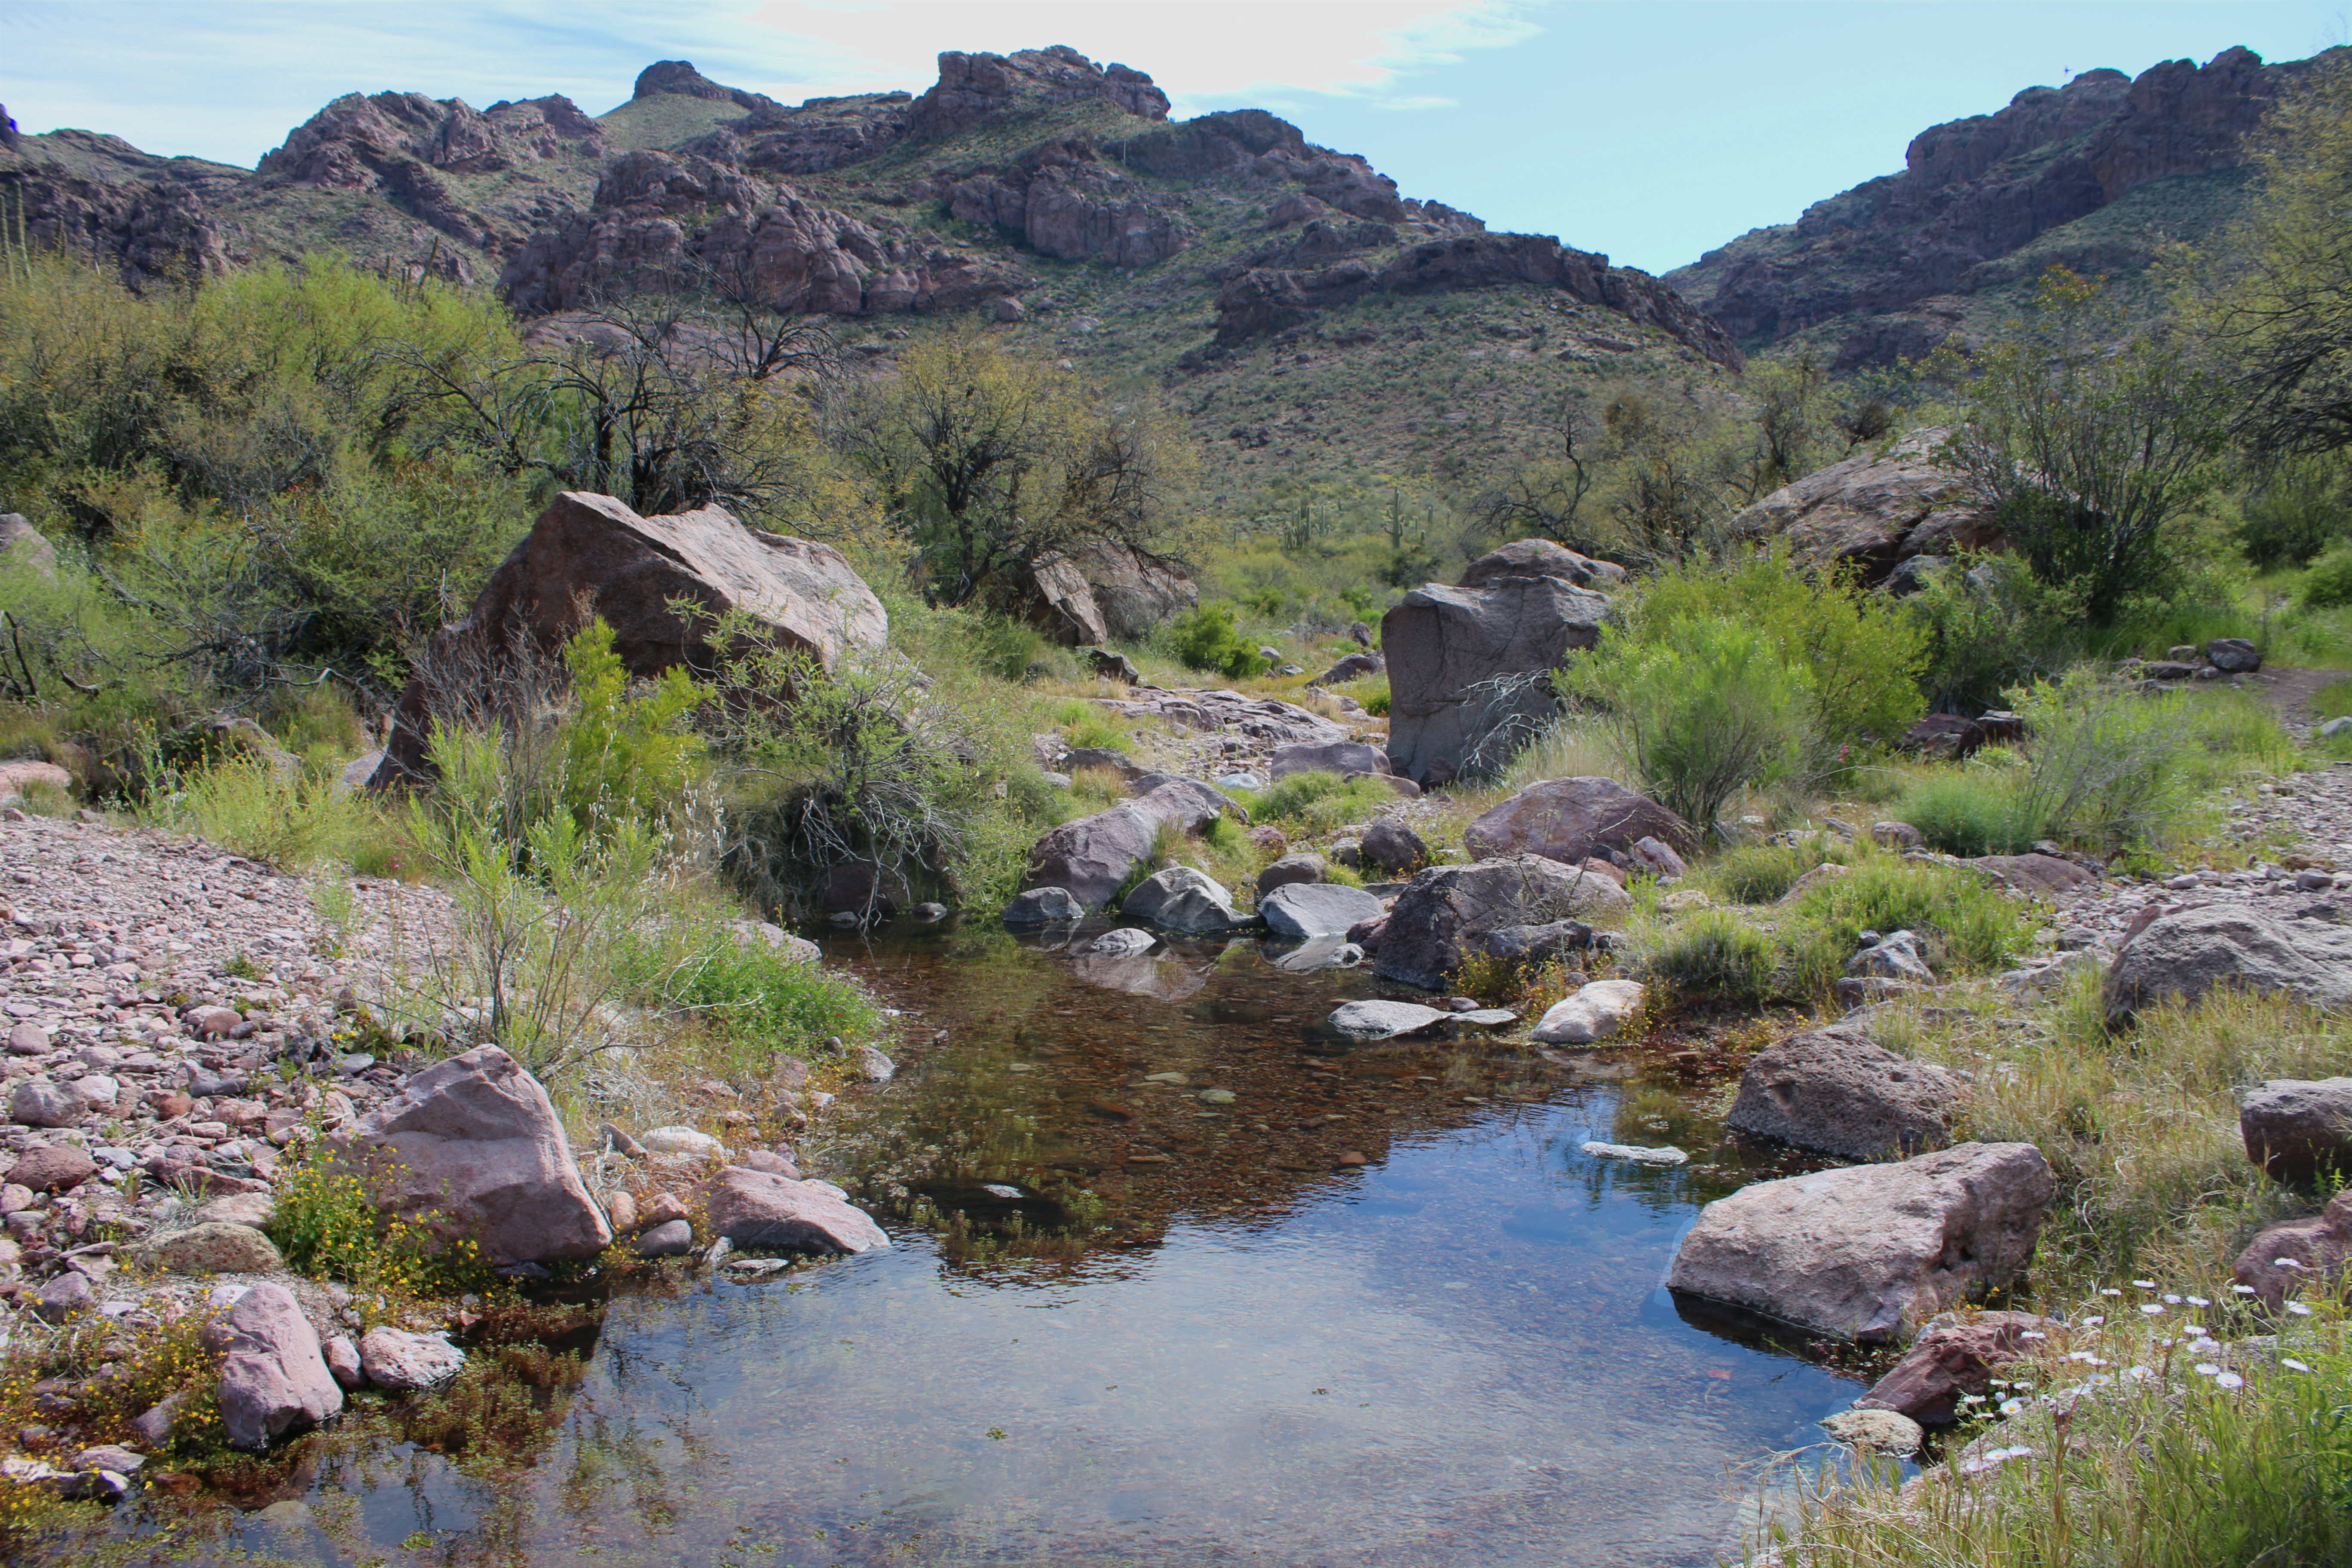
(1121, 1323)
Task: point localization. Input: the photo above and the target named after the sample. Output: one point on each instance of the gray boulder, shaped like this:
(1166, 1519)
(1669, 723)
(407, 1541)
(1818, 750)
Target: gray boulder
(2297, 1128)
(1434, 926)
(755, 1209)
(1044, 907)
(1315, 909)
(1837, 1091)
(274, 1380)
(1374, 1020)
(1574, 819)
(1528, 946)
(1540, 558)
(471, 1147)
(1123, 943)
(1086, 757)
(1894, 956)
(2187, 953)
(2234, 656)
(1301, 867)
(1389, 846)
(1181, 898)
(1341, 757)
(1870, 1253)
(1093, 857)
(1466, 664)
(1353, 667)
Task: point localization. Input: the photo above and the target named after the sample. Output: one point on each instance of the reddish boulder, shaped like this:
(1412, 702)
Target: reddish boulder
(1573, 820)
(592, 550)
(756, 1209)
(2299, 1258)
(1957, 1358)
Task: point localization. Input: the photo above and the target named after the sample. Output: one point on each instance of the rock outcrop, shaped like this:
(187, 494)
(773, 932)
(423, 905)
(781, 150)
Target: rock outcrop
(1890, 265)
(1871, 1252)
(1263, 300)
(973, 87)
(591, 554)
(1468, 668)
(1837, 1091)
(470, 1148)
(1872, 511)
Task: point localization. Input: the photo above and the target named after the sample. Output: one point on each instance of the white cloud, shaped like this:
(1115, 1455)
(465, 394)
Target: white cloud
(229, 78)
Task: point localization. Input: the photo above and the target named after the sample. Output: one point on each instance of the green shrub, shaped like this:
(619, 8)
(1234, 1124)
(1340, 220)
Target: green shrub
(1861, 653)
(2328, 584)
(2107, 765)
(1707, 708)
(251, 808)
(1715, 954)
(1969, 925)
(626, 753)
(1206, 639)
(1971, 812)
(1761, 873)
(1308, 803)
(1991, 625)
(1094, 729)
(326, 1224)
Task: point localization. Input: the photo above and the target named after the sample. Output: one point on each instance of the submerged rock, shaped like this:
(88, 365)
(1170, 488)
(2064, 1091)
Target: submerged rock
(1374, 1020)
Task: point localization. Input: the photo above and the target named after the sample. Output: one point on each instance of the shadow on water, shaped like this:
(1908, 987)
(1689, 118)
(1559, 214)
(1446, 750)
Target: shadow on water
(1179, 1277)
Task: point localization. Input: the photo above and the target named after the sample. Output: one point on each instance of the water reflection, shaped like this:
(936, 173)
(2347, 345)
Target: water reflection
(1207, 1283)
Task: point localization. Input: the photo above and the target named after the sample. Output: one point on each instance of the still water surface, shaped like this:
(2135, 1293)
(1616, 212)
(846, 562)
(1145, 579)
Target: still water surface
(1251, 1349)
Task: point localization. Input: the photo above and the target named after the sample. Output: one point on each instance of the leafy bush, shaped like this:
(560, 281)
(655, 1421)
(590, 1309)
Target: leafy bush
(1992, 625)
(625, 754)
(1861, 653)
(1704, 707)
(1206, 639)
(1715, 954)
(2107, 765)
(2328, 584)
(327, 1226)
(1975, 812)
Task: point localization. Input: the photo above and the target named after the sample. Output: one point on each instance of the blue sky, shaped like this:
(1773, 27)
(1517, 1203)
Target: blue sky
(1651, 131)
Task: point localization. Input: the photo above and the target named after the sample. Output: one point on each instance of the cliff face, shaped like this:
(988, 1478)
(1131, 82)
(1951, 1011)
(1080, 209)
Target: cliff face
(1889, 267)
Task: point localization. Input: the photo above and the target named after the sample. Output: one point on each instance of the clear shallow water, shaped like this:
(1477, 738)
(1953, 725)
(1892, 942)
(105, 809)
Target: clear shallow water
(1457, 1351)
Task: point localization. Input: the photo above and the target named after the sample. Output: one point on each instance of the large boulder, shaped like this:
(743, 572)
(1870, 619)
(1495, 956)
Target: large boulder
(1133, 590)
(1434, 926)
(1873, 512)
(1181, 898)
(471, 1148)
(1837, 1091)
(1302, 866)
(1466, 668)
(1956, 1359)
(759, 1209)
(2297, 1128)
(274, 1380)
(1574, 819)
(1052, 593)
(591, 554)
(1093, 857)
(1871, 1252)
(2183, 954)
(1342, 757)
(2304, 1257)
(1315, 909)
(1539, 558)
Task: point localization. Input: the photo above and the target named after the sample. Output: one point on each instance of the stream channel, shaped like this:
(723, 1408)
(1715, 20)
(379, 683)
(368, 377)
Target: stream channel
(1376, 1308)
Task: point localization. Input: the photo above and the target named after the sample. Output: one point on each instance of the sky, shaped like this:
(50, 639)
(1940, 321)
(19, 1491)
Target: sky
(1650, 130)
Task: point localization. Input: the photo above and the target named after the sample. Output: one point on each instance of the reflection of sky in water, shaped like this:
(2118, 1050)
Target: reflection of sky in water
(1461, 1354)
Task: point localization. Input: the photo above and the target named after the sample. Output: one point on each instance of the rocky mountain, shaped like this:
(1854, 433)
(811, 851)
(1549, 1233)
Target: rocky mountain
(2096, 175)
(1308, 315)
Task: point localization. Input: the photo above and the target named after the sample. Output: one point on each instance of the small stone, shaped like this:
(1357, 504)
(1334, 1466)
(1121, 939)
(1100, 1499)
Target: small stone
(216, 1248)
(255, 1209)
(38, 1102)
(1639, 1154)
(155, 1427)
(110, 1456)
(28, 1040)
(621, 1212)
(1372, 1020)
(1123, 943)
(52, 1168)
(684, 1141)
(664, 1207)
(874, 1066)
(1887, 1431)
(342, 1359)
(64, 1296)
(1044, 906)
(1215, 1097)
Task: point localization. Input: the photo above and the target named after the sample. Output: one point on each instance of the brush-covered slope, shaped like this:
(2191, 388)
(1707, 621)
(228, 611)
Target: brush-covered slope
(1306, 315)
